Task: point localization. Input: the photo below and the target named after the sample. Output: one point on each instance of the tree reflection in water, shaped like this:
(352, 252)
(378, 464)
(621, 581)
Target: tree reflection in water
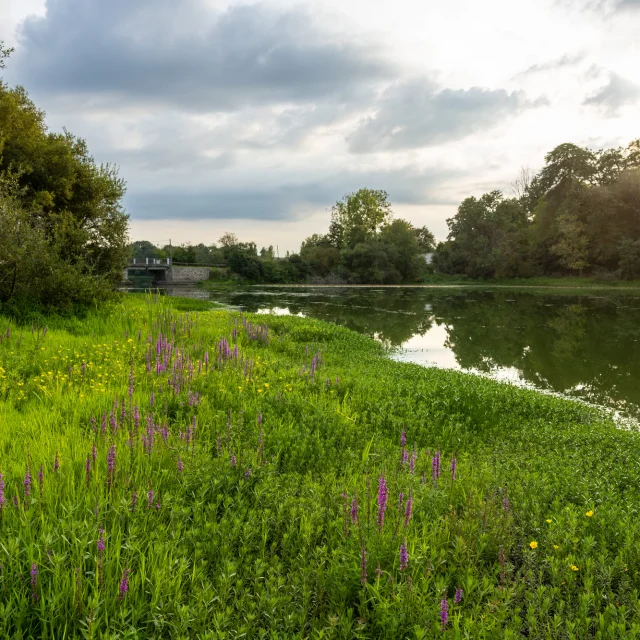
(586, 346)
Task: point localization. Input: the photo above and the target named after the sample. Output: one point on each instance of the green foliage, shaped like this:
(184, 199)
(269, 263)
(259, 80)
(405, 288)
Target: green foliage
(65, 241)
(252, 536)
(571, 217)
(358, 217)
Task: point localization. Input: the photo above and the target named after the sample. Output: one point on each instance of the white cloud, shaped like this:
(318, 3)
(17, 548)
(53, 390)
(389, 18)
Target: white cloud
(257, 110)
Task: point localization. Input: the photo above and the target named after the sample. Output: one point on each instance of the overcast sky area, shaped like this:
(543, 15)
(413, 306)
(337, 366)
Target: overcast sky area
(256, 118)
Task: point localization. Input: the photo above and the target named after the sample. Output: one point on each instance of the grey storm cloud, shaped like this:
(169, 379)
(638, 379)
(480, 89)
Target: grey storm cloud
(195, 58)
(617, 93)
(405, 186)
(417, 114)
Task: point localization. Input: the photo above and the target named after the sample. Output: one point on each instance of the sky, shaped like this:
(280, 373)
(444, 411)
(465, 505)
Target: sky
(256, 118)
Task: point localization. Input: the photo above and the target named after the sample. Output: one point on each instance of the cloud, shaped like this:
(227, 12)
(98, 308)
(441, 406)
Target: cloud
(567, 60)
(197, 59)
(617, 93)
(285, 203)
(416, 114)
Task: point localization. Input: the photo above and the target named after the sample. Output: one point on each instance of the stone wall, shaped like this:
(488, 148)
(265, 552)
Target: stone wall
(188, 274)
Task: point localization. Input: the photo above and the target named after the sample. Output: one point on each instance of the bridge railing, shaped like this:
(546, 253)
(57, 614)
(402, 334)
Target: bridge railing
(145, 262)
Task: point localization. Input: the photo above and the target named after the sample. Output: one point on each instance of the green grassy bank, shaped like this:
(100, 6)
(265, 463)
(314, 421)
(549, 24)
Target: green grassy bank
(172, 472)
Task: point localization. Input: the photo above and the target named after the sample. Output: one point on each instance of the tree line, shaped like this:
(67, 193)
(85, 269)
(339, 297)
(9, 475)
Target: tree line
(579, 215)
(365, 244)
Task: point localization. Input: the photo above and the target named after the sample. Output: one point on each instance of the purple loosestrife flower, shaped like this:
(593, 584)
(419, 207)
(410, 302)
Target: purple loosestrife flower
(27, 484)
(150, 498)
(2, 498)
(94, 454)
(233, 460)
(100, 544)
(408, 511)
(56, 463)
(383, 495)
(134, 500)
(124, 584)
(435, 466)
(444, 613)
(87, 468)
(152, 399)
(111, 465)
(34, 582)
(363, 566)
(354, 509)
(403, 438)
(454, 467)
(103, 424)
(400, 501)
(458, 597)
(405, 455)
(404, 556)
(248, 473)
(180, 465)
(131, 383)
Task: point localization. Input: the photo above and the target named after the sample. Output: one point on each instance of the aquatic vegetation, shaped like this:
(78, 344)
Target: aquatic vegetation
(168, 471)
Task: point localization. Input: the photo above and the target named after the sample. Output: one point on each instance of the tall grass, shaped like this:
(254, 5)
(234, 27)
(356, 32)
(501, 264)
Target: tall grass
(169, 472)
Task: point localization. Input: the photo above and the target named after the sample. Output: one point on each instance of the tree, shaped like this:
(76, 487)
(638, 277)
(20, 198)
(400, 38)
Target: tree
(426, 240)
(359, 216)
(4, 54)
(228, 239)
(522, 184)
(565, 164)
(571, 245)
(71, 202)
(488, 237)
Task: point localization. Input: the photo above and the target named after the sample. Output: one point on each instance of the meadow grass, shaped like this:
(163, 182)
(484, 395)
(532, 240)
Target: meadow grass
(174, 472)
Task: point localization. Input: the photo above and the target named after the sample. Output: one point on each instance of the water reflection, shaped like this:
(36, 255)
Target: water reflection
(585, 346)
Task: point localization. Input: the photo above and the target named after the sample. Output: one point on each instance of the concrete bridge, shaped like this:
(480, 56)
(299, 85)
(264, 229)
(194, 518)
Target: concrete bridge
(163, 271)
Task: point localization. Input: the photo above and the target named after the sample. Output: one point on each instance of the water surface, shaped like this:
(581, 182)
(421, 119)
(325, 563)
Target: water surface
(583, 346)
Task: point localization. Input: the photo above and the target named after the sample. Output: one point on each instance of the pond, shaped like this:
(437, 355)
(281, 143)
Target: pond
(584, 346)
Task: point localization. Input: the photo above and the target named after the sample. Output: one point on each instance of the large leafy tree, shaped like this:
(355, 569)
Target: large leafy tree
(358, 217)
(70, 202)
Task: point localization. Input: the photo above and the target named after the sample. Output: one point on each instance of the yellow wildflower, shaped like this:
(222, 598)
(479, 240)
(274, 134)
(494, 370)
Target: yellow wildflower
(589, 513)
(555, 546)
(533, 544)
(549, 521)
(574, 568)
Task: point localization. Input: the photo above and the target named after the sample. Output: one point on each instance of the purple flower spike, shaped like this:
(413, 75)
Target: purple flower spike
(124, 584)
(458, 597)
(354, 509)
(2, 498)
(403, 438)
(408, 511)
(454, 467)
(27, 484)
(435, 466)
(363, 566)
(444, 613)
(383, 495)
(101, 544)
(180, 465)
(56, 463)
(404, 556)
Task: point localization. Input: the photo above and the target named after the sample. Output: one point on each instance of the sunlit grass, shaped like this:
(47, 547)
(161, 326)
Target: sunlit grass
(235, 488)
